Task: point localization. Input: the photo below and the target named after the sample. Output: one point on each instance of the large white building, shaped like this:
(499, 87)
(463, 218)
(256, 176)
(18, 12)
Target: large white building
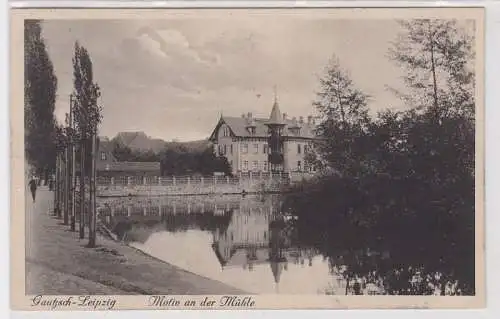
(245, 141)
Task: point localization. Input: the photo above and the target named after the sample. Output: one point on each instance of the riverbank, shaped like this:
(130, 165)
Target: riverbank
(58, 262)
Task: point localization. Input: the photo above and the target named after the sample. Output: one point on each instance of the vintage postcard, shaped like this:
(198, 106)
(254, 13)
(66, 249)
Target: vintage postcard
(249, 158)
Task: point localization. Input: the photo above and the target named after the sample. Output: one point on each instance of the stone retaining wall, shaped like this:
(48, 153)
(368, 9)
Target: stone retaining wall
(192, 185)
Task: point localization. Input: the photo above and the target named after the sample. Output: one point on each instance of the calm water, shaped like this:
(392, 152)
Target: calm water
(245, 242)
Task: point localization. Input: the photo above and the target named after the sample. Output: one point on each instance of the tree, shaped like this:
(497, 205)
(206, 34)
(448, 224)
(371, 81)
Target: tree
(343, 119)
(178, 159)
(40, 85)
(88, 115)
(438, 59)
(60, 142)
(121, 152)
(404, 218)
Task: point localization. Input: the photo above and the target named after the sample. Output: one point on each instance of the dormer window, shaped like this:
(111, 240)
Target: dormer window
(294, 130)
(294, 127)
(251, 130)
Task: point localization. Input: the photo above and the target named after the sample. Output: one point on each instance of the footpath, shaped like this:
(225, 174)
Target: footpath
(58, 263)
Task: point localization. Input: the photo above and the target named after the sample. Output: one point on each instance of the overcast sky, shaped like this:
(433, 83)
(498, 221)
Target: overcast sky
(172, 78)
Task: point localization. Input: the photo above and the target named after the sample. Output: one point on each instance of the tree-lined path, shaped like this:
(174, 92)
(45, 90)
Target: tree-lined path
(57, 262)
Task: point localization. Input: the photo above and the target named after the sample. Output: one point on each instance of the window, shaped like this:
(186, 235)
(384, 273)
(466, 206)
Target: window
(256, 148)
(305, 148)
(231, 163)
(231, 149)
(244, 148)
(226, 131)
(298, 149)
(103, 156)
(265, 166)
(299, 166)
(225, 149)
(255, 165)
(265, 149)
(245, 165)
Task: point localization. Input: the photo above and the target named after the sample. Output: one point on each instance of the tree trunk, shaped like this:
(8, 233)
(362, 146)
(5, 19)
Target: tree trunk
(66, 187)
(59, 172)
(433, 71)
(55, 186)
(93, 212)
(82, 189)
(73, 187)
(46, 176)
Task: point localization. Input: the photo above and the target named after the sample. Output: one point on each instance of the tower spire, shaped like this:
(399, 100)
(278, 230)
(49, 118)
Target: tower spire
(275, 116)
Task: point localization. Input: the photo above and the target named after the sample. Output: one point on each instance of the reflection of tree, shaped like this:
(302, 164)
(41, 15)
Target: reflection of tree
(135, 220)
(121, 228)
(206, 221)
(387, 253)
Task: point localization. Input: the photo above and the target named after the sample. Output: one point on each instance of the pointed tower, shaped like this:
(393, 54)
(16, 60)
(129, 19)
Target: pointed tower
(275, 126)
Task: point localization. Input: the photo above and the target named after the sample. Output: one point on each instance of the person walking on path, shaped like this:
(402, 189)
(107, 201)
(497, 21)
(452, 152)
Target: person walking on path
(33, 186)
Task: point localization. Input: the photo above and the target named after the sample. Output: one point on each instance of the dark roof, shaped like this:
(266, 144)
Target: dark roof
(239, 125)
(129, 166)
(276, 117)
(127, 138)
(219, 256)
(277, 269)
(107, 146)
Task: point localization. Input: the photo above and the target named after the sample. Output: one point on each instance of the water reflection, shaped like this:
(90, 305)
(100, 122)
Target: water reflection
(246, 242)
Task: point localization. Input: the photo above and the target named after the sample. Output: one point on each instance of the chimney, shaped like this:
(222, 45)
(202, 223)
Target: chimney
(309, 119)
(249, 115)
(301, 120)
(284, 116)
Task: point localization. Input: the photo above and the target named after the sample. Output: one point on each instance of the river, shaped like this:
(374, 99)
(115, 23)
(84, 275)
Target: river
(245, 242)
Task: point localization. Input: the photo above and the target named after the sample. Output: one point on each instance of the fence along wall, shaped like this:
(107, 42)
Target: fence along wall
(191, 185)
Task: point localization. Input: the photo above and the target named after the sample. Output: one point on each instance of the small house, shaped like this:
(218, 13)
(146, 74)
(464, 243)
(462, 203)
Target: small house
(108, 166)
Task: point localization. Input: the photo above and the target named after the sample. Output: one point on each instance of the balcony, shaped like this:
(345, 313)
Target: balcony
(276, 158)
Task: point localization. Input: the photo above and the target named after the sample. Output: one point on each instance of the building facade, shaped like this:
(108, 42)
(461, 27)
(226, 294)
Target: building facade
(277, 143)
(108, 166)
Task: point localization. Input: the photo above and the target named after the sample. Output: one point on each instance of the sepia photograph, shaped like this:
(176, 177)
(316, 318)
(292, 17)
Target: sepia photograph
(249, 152)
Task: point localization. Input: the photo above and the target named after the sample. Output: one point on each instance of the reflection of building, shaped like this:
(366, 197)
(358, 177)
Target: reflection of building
(264, 144)
(247, 231)
(245, 241)
(258, 234)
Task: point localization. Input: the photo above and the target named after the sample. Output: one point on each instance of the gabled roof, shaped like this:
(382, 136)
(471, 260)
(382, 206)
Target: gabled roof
(106, 146)
(238, 127)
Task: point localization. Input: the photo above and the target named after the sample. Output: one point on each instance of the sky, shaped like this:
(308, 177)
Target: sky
(172, 78)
